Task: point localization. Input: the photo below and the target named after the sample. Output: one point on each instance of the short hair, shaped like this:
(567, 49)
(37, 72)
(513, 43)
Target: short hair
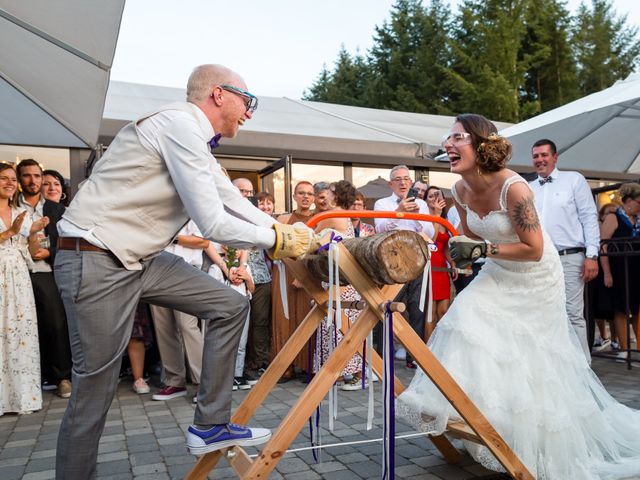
(204, 77)
(629, 191)
(360, 196)
(56, 174)
(302, 182)
(545, 141)
(344, 192)
(396, 168)
(260, 196)
(13, 201)
(235, 181)
(27, 162)
(493, 150)
(320, 187)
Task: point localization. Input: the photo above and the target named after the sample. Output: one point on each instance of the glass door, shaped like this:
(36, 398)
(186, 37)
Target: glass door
(276, 179)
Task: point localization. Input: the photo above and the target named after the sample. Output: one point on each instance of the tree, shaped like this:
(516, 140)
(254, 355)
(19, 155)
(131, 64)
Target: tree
(606, 48)
(346, 85)
(551, 80)
(409, 58)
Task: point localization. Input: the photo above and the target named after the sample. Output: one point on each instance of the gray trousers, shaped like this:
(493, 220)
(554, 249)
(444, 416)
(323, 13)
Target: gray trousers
(100, 297)
(574, 289)
(177, 334)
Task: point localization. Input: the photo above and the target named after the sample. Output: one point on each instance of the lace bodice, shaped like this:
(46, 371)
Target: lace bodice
(496, 225)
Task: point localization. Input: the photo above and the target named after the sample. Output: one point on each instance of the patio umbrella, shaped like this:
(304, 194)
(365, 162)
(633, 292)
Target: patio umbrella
(55, 62)
(597, 134)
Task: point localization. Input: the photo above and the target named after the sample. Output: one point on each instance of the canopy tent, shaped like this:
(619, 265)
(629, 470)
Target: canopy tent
(596, 134)
(305, 130)
(54, 70)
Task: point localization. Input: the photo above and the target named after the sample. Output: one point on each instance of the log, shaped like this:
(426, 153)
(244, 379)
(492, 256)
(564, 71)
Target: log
(388, 258)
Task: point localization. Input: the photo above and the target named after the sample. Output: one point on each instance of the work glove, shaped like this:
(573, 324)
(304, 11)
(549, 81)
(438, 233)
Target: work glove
(295, 241)
(464, 250)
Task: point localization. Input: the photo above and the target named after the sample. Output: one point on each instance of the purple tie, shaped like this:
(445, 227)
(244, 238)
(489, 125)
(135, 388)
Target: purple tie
(213, 143)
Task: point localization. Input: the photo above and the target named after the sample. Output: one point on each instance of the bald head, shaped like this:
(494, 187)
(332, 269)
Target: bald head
(204, 77)
(245, 186)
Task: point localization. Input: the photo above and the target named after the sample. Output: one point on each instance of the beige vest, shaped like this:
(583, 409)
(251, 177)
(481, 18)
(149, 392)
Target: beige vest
(129, 202)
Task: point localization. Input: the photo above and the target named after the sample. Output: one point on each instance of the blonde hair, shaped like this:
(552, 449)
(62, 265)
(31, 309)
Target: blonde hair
(204, 77)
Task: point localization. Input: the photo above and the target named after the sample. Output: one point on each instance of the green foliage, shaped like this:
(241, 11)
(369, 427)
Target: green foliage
(506, 59)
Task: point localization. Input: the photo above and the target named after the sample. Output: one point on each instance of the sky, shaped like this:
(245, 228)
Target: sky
(278, 46)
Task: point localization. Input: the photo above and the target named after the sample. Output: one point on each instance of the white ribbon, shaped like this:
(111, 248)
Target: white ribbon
(283, 288)
(427, 279)
(370, 377)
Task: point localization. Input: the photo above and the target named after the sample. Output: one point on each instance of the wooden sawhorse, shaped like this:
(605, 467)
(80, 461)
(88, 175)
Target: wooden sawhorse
(476, 428)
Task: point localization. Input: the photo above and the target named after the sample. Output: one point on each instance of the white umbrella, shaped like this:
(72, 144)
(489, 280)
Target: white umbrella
(55, 62)
(598, 134)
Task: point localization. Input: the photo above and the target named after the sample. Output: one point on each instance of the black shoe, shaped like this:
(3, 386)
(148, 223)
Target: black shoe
(253, 376)
(48, 385)
(240, 383)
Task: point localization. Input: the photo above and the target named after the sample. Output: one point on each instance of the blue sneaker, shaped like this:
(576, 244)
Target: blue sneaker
(200, 442)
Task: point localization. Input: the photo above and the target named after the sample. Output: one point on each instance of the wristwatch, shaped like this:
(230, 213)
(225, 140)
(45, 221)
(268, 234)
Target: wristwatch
(592, 257)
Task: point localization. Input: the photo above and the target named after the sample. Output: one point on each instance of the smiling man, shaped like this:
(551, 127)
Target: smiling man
(568, 214)
(156, 175)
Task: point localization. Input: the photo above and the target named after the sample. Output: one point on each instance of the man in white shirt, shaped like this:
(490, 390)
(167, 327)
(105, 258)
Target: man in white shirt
(156, 175)
(400, 182)
(568, 214)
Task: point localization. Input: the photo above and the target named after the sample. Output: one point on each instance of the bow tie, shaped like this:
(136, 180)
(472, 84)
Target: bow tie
(542, 181)
(213, 143)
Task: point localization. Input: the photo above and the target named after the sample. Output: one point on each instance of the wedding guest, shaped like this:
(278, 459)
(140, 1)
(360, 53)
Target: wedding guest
(360, 228)
(321, 197)
(20, 367)
(53, 186)
(441, 281)
(624, 224)
(298, 301)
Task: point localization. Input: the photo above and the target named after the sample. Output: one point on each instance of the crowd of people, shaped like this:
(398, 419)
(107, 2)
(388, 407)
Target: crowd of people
(207, 285)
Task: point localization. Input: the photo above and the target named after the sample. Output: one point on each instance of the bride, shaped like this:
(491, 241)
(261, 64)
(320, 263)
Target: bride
(506, 339)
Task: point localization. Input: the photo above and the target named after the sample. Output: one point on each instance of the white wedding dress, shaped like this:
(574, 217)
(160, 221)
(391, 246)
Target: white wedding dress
(508, 343)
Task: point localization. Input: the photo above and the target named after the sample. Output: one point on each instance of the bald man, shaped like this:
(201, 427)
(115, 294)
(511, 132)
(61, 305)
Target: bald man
(111, 256)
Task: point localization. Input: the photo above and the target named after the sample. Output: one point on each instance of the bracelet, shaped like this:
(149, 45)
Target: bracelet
(493, 248)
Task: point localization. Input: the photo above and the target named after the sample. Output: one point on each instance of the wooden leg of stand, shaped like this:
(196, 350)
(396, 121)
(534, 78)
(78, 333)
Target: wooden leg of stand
(261, 390)
(310, 399)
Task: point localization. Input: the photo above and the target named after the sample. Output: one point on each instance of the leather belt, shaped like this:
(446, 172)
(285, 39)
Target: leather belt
(569, 251)
(76, 243)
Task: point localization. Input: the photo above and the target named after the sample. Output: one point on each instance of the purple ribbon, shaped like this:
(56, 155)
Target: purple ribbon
(389, 401)
(334, 237)
(214, 142)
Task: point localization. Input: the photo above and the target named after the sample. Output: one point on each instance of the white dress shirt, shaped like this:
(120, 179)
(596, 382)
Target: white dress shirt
(389, 204)
(567, 211)
(453, 217)
(35, 214)
(182, 143)
(192, 256)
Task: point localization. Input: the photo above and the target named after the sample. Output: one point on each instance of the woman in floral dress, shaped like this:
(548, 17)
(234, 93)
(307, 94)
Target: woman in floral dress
(19, 351)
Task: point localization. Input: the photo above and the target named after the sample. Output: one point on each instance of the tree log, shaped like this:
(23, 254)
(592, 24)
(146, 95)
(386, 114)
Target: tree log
(391, 257)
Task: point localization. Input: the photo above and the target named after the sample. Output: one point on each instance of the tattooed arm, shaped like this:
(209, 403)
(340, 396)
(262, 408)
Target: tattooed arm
(525, 221)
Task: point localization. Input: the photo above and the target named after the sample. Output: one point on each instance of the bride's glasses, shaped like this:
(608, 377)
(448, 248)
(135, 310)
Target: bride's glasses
(456, 139)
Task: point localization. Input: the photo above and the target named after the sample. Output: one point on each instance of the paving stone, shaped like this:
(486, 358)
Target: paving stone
(451, 472)
(111, 456)
(145, 458)
(291, 465)
(149, 469)
(41, 475)
(110, 468)
(326, 467)
(13, 472)
(352, 458)
(368, 469)
(39, 464)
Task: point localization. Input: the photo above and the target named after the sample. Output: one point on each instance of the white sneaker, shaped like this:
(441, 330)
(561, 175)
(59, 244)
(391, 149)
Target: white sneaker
(622, 357)
(401, 354)
(604, 344)
(200, 442)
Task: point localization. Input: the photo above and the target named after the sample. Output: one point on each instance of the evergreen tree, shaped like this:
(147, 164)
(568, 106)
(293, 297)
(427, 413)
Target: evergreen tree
(487, 72)
(346, 85)
(551, 80)
(606, 48)
(409, 58)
